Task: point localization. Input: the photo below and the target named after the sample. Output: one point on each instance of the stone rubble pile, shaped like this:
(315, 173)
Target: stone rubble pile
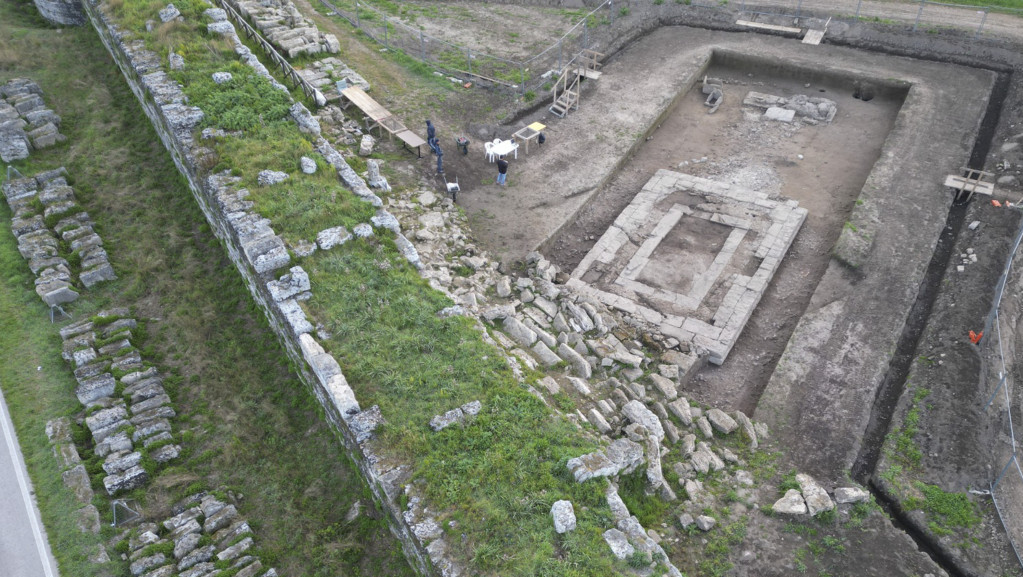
(286, 28)
(810, 109)
(627, 395)
(812, 499)
(325, 74)
(339, 127)
(26, 124)
(208, 537)
(628, 536)
(51, 228)
(128, 410)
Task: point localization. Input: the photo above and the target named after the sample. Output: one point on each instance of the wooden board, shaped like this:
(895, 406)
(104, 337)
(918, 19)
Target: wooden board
(365, 103)
(813, 37)
(774, 27)
(410, 138)
(960, 183)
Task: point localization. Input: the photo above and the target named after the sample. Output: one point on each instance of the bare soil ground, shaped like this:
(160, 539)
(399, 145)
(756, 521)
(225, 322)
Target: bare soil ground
(554, 188)
(734, 146)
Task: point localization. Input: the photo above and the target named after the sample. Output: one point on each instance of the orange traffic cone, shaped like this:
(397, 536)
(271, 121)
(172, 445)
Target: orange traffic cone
(975, 337)
(996, 203)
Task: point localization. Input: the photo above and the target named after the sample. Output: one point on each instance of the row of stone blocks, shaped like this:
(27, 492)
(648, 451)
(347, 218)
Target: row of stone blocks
(26, 123)
(258, 251)
(128, 414)
(47, 216)
(287, 29)
(203, 537)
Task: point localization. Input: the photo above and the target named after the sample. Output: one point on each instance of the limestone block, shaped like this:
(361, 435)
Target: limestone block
(564, 516)
(637, 412)
(271, 177)
(791, 504)
(306, 122)
(14, 144)
(146, 563)
(680, 408)
(366, 145)
(386, 220)
(132, 478)
(185, 545)
(170, 12)
(721, 421)
(77, 479)
(122, 463)
(45, 136)
(618, 543)
(844, 495)
(579, 365)
(331, 237)
(200, 555)
(307, 165)
(235, 550)
(817, 499)
(665, 386)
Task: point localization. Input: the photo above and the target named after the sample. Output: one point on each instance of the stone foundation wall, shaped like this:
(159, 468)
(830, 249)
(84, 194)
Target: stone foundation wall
(67, 12)
(257, 253)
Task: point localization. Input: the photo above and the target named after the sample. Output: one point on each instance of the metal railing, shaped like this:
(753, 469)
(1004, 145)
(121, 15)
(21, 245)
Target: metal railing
(997, 350)
(275, 57)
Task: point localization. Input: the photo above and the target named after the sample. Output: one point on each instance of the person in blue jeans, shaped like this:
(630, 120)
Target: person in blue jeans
(431, 137)
(502, 171)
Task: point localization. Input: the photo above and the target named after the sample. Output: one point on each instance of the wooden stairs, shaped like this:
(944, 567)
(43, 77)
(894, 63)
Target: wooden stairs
(565, 92)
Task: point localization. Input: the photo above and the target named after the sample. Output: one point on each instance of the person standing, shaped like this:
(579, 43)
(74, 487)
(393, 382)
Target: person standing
(440, 160)
(502, 171)
(431, 137)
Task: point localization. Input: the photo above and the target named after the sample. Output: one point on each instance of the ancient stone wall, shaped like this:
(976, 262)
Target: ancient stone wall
(257, 252)
(66, 12)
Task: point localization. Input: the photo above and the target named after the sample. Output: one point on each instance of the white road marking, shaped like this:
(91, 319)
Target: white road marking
(15, 451)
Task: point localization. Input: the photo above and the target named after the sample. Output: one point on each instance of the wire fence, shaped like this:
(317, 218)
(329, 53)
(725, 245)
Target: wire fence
(522, 76)
(998, 352)
(604, 25)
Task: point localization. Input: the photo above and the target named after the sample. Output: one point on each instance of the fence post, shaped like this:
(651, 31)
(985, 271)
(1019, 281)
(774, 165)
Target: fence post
(522, 78)
(611, 8)
(422, 47)
(559, 54)
(586, 34)
(918, 13)
(799, 8)
(981, 27)
(385, 33)
(357, 21)
(858, 3)
(468, 59)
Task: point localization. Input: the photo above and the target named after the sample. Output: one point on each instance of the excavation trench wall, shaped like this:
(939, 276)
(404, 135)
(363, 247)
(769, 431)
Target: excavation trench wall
(354, 427)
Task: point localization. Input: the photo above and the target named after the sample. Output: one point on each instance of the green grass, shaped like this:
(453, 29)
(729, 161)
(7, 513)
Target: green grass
(245, 422)
(947, 512)
(498, 476)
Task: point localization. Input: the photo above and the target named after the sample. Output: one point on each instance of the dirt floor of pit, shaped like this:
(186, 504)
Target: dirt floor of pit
(735, 146)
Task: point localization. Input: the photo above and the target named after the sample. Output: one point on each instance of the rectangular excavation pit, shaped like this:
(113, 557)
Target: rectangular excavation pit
(700, 280)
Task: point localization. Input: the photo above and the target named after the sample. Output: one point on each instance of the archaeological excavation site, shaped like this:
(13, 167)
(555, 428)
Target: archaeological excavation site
(520, 287)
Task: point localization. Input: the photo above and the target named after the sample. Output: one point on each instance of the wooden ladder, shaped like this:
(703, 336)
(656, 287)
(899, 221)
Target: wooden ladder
(566, 90)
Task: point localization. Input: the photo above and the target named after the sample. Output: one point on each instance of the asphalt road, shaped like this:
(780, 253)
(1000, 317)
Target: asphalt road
(24, 549)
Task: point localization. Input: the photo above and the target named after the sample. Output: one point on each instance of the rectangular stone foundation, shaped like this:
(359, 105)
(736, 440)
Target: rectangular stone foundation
(654, 262)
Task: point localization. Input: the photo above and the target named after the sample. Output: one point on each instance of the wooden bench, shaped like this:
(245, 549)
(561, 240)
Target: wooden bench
(411, 140)
(378, 116)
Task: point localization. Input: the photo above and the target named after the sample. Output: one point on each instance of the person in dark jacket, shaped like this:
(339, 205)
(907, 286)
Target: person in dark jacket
(431, 137)
(502, 171)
